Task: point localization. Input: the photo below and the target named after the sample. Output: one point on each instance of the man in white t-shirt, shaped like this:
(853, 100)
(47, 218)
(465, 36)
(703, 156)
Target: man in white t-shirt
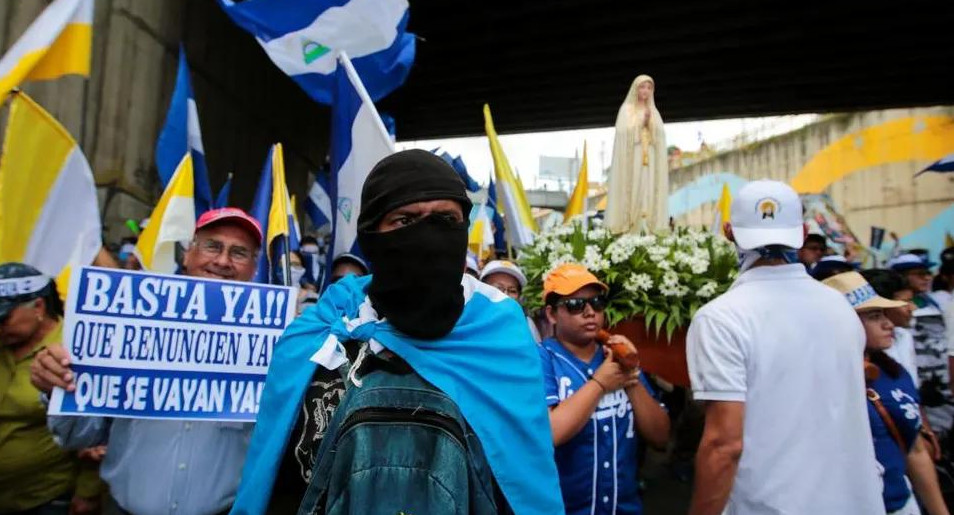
(779, 360)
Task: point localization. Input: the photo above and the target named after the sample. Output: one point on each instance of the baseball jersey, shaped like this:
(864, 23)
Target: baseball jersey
(598, 468)
(900, 399)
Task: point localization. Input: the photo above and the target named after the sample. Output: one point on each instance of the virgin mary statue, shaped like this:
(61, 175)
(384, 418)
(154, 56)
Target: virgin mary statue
(639, 174)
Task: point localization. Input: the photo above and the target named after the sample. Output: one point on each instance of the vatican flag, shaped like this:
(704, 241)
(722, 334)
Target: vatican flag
(50, 215)
(57, 43)
(172, 221)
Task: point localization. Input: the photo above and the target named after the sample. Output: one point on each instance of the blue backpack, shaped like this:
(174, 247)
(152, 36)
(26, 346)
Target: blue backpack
(398, 445)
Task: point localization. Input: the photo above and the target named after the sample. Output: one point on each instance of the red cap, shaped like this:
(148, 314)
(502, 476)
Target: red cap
(231, 215)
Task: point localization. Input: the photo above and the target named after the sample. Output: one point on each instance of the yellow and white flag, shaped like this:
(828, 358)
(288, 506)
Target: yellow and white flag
(723, 208)
(510, 194)
(481, 237)
(49, 214)
(577, 204)
(172, 221)
(57, 43)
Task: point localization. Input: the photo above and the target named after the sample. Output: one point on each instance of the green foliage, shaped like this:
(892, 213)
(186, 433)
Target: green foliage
(665, 276)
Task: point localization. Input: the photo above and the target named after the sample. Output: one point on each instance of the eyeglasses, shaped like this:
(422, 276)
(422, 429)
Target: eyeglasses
(238, 254)
(576, 305)
(507, 290)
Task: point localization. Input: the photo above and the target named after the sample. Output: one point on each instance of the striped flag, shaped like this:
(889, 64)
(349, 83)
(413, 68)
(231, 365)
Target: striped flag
(358, 141)
(50, 217)
(304, 40)
(57, 43)
(182, 134)
(172, 221)
(272, 208)
(577, 204)
(318, 203)
(481, 238)
(519, 220)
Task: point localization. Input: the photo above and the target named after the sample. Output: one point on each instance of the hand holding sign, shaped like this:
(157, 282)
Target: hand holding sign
(51, 369)
(156, 346)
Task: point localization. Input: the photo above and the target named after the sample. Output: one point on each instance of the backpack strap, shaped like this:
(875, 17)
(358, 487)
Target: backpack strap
(886, 418)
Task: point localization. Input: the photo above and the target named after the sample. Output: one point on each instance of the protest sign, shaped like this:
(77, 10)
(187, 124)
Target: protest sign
(147, 345)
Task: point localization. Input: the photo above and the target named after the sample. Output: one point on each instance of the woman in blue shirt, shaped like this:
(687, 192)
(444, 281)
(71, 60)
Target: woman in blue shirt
(893, 406)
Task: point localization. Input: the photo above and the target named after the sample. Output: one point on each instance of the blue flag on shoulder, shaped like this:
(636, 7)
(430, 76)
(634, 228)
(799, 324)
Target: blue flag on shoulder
(181, 134)
(304, 38)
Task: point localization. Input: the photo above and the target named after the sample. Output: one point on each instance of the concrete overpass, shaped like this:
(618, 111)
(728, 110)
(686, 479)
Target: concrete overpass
(541, 65)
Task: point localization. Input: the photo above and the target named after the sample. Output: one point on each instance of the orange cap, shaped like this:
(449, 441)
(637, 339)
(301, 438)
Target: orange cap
(567, 278)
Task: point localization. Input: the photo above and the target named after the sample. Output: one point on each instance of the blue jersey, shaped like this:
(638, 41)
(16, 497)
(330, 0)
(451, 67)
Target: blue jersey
(598, 469)
(900, 400)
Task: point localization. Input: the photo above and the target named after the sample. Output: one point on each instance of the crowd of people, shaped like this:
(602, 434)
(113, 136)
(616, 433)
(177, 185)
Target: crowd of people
(426, 388)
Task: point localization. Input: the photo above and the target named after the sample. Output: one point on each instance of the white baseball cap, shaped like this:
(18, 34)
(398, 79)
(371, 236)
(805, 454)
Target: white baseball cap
(767, 213)
(504, 267)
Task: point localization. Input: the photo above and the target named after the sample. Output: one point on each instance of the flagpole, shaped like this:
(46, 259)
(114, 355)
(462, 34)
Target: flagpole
(286, 269)
(363, 93)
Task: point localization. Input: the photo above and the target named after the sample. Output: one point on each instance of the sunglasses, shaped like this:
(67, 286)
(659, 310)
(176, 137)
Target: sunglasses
(576, 305)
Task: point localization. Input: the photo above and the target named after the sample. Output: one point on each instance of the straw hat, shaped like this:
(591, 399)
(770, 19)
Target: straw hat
(859, 293)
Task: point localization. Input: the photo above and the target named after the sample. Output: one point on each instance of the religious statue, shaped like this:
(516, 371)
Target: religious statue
(638, 188)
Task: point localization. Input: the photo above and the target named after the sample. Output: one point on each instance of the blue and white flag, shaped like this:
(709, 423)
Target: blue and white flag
(304, 38)
(458, 164)
(358, 141)
(488, 365)
(222, 200)
(943, 165)
(500, 240)
(180, 134)
(318, 203)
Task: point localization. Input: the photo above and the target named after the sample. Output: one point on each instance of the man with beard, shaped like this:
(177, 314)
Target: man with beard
(415, 334)
(167, 466)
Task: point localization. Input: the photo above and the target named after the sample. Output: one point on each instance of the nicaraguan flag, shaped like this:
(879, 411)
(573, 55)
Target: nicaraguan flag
(181, 133)
(943, 165)
(458, 165)
(318, 203)
(500, 238)
(304, 39)
(223, 199)
(358, 141)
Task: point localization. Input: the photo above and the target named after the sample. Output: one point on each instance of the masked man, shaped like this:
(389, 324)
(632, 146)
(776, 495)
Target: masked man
(436, 357)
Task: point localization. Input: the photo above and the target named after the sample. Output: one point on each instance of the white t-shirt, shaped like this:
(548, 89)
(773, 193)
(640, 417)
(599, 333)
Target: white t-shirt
(791, 349)
(902, 351)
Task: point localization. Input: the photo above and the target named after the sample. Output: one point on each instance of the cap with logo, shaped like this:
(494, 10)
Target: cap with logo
(767, 213)
(569, 277)
(231, 215)
(859, 293)
(21, 283)
(504, 267)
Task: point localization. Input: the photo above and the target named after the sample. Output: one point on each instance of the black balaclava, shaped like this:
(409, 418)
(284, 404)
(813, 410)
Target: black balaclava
(416, 269)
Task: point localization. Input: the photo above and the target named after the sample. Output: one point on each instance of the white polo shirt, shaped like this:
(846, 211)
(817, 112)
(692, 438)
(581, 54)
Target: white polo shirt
(791, 349)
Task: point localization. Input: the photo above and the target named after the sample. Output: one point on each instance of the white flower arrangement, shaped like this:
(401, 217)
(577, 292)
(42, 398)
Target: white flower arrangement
(664, 277)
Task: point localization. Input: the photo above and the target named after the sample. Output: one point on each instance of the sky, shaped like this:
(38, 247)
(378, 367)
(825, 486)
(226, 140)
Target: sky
(524, 150)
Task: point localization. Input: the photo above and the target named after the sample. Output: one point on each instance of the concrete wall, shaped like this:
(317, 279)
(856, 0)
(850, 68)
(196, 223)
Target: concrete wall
(885, 195)
(245, 103)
